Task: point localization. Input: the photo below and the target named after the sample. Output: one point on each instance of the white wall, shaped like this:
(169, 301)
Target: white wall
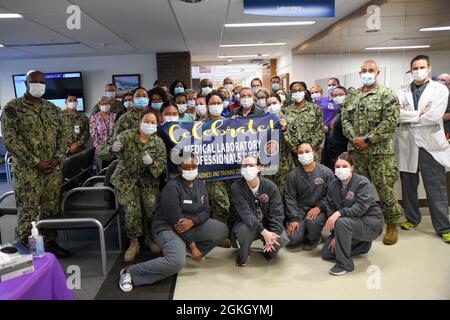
(310, 68)
(96, 72)
(284, 63)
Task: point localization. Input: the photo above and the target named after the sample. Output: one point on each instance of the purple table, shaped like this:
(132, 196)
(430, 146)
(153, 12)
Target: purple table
(47, 282)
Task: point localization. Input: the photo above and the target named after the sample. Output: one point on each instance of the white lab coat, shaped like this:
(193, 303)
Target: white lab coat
(426, 131)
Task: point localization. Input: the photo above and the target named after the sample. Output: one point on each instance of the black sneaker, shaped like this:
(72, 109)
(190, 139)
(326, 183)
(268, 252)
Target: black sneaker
(311, 247)
(337, 271)
(52, 247)
(267, 256)
(239, 263)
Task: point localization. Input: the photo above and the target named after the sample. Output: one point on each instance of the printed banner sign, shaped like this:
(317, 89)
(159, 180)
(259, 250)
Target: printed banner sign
(219, 146)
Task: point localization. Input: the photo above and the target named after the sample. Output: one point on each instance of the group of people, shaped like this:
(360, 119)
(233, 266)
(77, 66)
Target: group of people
(332, 148)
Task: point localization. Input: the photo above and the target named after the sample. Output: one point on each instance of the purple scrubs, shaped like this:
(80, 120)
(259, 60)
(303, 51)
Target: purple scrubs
(329, 108)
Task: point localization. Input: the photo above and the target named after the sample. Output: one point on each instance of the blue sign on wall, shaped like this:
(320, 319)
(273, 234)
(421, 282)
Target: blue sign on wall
(290, 8)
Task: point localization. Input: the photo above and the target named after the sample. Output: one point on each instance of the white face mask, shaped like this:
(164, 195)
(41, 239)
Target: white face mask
(282, 97)
(261, 103)
(255, 89)
(148, 128)
(249, 173)
(368, 79)
(206, 91)
(170, 118)
(306, 158)
(191, 104)
(274, 108)
(247, 103)
(201, 109)
(229, 86)
(226, 103)
(104, 107)
(128, 104)
(420, 75)
(339, 99)
(110, 94)
(331, 89)
(215, 109)
(189, 175)
(182, 108)
(342, 173)
(316, 95)
(37, 90)
(72, 105)
(298, 96)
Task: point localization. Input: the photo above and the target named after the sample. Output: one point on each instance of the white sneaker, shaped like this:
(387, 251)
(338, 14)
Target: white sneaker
(125, 283)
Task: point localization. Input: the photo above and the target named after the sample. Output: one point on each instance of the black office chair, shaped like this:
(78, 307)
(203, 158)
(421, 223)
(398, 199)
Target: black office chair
(74, 167)
(7, 206)
(88, 207)
(103, 178)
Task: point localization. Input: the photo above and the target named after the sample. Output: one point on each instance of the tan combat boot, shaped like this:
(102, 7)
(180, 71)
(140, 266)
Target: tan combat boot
(391, 234)
(154, 247)
(132, 251)
(225, 243)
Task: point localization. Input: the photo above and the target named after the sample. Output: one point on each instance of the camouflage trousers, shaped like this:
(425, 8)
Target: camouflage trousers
(37, 197)
(139, 203)
(286, 166)
(219, 200)
(382, 171)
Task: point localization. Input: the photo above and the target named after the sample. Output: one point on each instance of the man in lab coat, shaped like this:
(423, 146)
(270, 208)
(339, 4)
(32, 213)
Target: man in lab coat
(421, 146)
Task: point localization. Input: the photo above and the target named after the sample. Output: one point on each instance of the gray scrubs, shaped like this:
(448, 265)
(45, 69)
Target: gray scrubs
(434, 182)
(256, 213)
(303, 192)
(360, 223)
(179, 201)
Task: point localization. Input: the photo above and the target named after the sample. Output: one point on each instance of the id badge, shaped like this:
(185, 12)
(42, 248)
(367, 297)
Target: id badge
(330, 106)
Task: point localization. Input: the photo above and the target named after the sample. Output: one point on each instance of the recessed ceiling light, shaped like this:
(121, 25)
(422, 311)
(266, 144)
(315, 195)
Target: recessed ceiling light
(446, 28)
(252, 44)
(268, 24)
(10, 15)
(1, 46)
(398, 47)
(244, 56)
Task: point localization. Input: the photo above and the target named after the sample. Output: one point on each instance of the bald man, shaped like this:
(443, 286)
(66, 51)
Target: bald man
(33, 133)
(369, 118)
(445, 80)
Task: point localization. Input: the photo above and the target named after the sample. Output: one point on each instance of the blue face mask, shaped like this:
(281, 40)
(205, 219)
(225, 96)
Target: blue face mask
(157, 105)
(141, 102)
(178, 90)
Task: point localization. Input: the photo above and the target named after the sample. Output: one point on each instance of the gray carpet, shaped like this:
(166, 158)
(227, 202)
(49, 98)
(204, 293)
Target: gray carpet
(162, 290)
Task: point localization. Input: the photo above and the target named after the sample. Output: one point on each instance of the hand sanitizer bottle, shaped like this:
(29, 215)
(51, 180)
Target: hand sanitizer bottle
(36, 242)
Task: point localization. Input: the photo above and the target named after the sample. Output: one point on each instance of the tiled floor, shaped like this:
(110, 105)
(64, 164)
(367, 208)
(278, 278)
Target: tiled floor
(418, 267)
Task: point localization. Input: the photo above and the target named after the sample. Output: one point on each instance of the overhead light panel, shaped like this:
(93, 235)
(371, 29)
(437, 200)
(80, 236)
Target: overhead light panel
(445, 28)
(269, 24)
(1, 46)
(10, 15)
(252, 44)
(398, 47)
(244, 56)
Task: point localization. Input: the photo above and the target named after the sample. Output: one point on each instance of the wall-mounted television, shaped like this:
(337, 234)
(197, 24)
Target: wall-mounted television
(58, 86)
